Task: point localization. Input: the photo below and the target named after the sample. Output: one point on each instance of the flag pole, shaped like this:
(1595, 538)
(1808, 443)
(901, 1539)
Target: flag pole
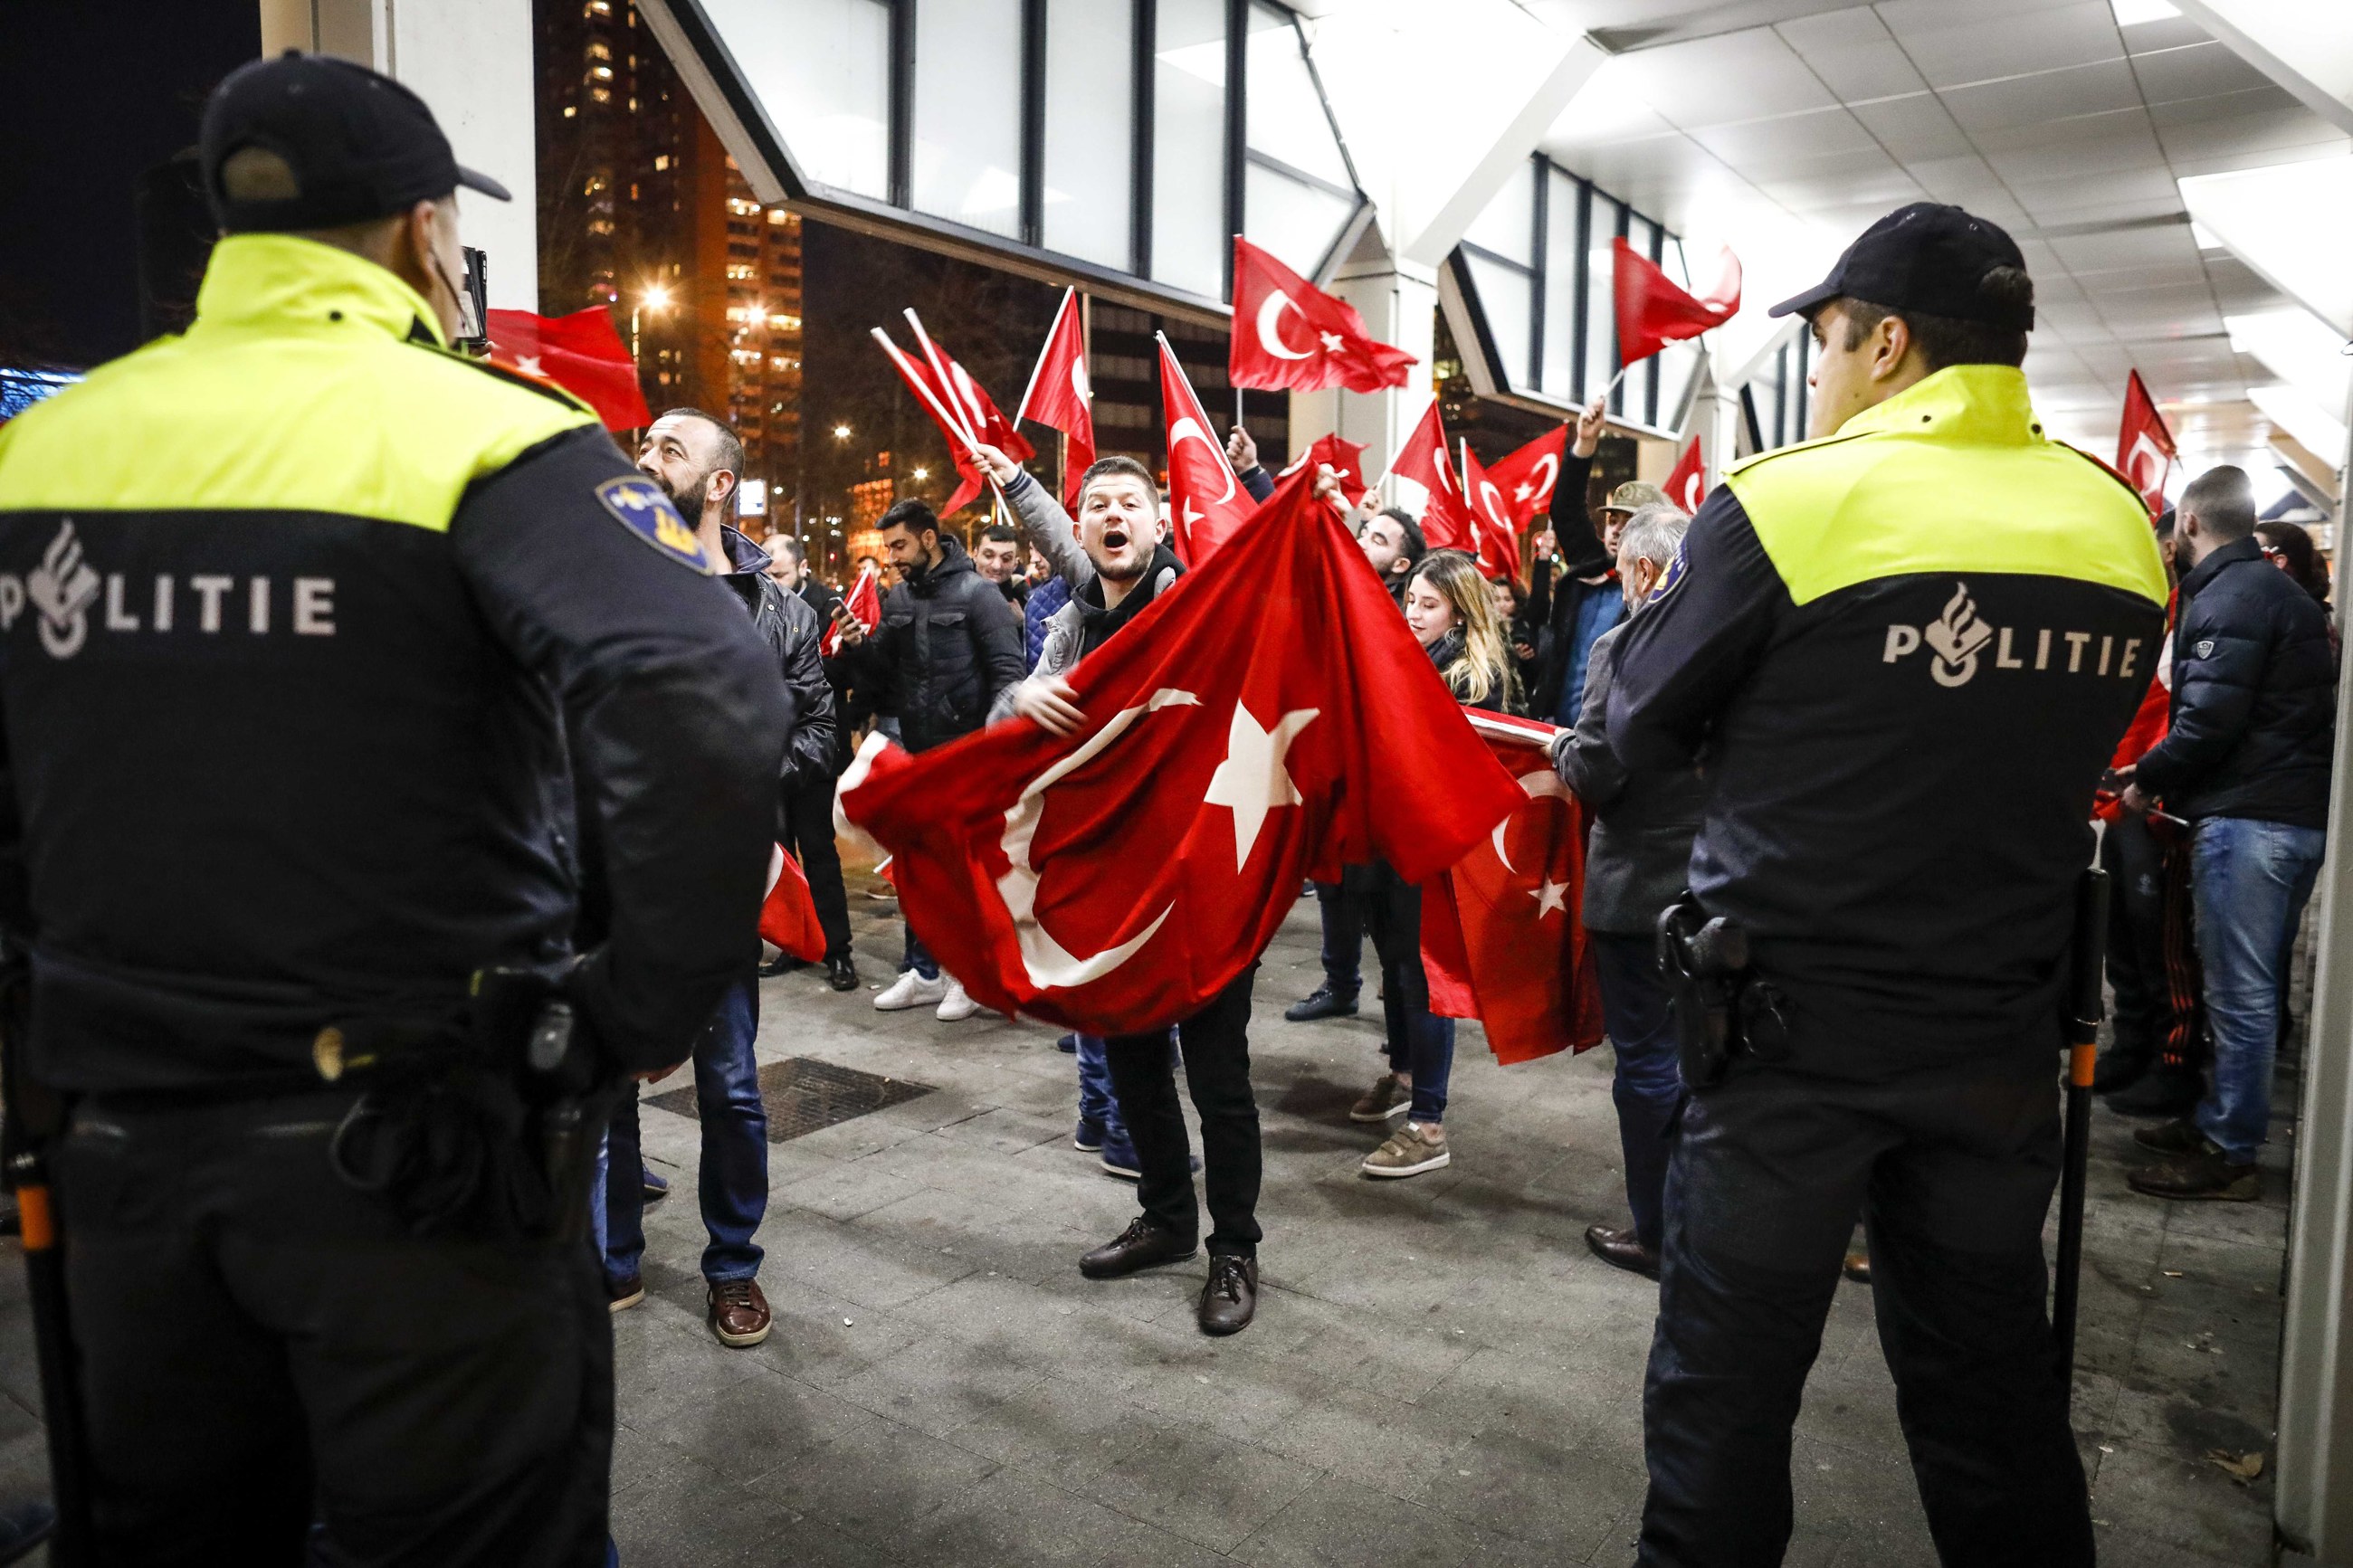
(947, 421)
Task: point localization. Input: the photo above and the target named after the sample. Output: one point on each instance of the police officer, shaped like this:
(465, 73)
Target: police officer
(302, 609)
(1903, 652)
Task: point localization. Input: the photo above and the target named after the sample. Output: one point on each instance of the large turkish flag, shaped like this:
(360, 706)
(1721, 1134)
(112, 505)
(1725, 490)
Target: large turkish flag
(1288, 333)
(2144, 450)
(1502, 940)
(1116, 879)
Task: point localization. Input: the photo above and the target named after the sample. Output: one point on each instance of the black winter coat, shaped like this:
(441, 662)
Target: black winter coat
(2254, 701)
(945, 650)
(791, 630)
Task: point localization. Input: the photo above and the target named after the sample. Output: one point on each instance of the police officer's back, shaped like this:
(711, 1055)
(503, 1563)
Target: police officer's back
(1903, 653)
(299, 608)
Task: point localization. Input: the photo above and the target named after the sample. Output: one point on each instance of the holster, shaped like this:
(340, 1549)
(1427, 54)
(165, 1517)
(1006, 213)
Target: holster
(1721, 1008)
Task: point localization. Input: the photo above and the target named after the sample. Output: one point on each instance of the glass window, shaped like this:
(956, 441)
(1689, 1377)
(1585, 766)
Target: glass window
(1507, 297)
(967, 155)
(1506, 226)
(1286, 115)
(821, 68)
(1601, 312)
(1089, 104)
(1298, 222)
(1559, 378)
(1189, 239)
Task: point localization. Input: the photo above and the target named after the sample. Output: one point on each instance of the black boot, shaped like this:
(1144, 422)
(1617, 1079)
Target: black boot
(2163, 1091)
(1323, 1002)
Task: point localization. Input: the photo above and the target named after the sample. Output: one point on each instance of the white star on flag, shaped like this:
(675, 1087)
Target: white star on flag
(1551, 898)
(1333, 341)
(529, 365)
(1252, 780)
(1523, 491)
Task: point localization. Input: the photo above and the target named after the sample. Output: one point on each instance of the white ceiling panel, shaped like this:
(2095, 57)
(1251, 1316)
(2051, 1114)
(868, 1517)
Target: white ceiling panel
(1915, 127)
(2197, 70)
(1777, 143)
(2020, 101)
(2248, 140)
(2169, 246)
(1738, 76)
(1955, 43)
(1853, 54)
(2096, 144)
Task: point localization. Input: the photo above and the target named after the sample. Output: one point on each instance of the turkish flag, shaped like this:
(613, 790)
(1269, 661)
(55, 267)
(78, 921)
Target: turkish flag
(1058, 394)
(1528, 477)
(580, 353)
(1498, 538)
(788, 915)
(1344, 458)
(1687, 486)
(865, 604)
(1290, 334)
(1114, 881)
(1205, 503)
(2144, 450)
(1652, 311)
(964, 413)
(1446, 522)
(1502, 940)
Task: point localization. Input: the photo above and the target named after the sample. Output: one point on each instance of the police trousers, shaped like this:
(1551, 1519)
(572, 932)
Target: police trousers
(263, 1348)
(1952, 1171)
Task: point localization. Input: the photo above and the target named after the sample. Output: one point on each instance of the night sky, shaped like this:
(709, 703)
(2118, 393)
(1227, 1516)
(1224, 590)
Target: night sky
(92, 94)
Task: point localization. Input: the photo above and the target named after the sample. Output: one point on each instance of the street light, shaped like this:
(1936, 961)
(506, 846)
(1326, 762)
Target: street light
(923, 474)
(654, 298)
(842, 432)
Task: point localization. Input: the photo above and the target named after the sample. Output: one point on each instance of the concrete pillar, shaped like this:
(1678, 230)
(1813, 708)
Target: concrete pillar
(472, 61)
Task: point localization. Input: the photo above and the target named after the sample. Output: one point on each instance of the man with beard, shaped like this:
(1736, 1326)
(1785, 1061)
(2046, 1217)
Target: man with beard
(1116, 565)
(697, 459)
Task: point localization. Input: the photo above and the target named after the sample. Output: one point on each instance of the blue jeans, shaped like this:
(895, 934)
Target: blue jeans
(2248, 880)
(1095, 1101)
(1648, 1085)
(1420, 1043)
(731, 1185)
(918, 958)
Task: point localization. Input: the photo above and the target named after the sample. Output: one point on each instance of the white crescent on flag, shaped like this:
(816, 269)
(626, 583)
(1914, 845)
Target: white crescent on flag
(1538, 784)
(1269, 315)
(1188, 427)
(1548, 466)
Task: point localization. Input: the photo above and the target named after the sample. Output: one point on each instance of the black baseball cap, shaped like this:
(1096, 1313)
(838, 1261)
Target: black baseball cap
(361, 146)
(1927, 257)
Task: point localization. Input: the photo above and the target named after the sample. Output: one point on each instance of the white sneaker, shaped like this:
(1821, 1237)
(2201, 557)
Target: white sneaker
(957, 1004)
(911, 990)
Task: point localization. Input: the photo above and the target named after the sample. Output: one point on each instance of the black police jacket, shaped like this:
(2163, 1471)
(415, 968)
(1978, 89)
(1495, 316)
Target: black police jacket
(297, 614)
(943, 651)
(2254, 696)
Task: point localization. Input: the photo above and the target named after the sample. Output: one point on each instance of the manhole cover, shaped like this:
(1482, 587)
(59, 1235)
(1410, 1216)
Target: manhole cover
(802, 1094)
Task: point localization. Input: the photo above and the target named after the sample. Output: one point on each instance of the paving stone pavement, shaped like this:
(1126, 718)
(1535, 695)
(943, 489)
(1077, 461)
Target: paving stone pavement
(1439, 1372)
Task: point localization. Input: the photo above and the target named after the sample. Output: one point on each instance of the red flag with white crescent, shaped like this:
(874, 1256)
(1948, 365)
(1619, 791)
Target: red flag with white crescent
(959, 405)
(1115, 879)
(580, 353)
(1446, 522)
(1290, 334)
(1653, 310)
(1206, 502)
(1502, 936)
(2144, 449)
(1687, 486)
(1498, 537)
(1059, 394)
(1528, 477)
(864, 603)
(1344, 458)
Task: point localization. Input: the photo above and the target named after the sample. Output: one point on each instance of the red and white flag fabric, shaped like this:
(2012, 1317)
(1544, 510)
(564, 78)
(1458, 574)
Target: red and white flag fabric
(1446, 522)
(1116, 879)
(1206, 502)
(580, 353)
(1653, 310)
(1502, 940)
(1497, 536)
(1060, 396)
(958, 404)
(864, 603)
(1344, 458)
(1292, 335)
(1687, 486)
(1528, 477)
(788, 915)
(2144, 449)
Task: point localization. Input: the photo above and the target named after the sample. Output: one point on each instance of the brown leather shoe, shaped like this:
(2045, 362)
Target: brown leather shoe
(1143, 1245)
(1623, 1249)
(1230, 1300)
(1857, 1266)
(2208, 1174)
(620, 1295)
(2179, 1136)
(738, 1313)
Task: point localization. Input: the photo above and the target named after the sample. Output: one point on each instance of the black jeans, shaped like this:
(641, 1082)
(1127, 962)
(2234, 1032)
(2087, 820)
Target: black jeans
(263, 1346)
(1342, 917)
(809, 819)
(1216, 1045)
(2152, 955)
(1952, 1171)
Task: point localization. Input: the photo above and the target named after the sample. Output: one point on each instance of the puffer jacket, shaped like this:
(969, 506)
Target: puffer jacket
(945, 650)
(792, 632)
(2254, 701)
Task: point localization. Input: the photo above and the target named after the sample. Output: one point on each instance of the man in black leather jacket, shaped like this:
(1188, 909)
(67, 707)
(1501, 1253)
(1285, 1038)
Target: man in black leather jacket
(2246, 761)
(697, 459)
(945, 648)
(808, 806)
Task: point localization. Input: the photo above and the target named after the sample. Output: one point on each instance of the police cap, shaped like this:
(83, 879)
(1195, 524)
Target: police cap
(1926, 258)
(358, 144)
